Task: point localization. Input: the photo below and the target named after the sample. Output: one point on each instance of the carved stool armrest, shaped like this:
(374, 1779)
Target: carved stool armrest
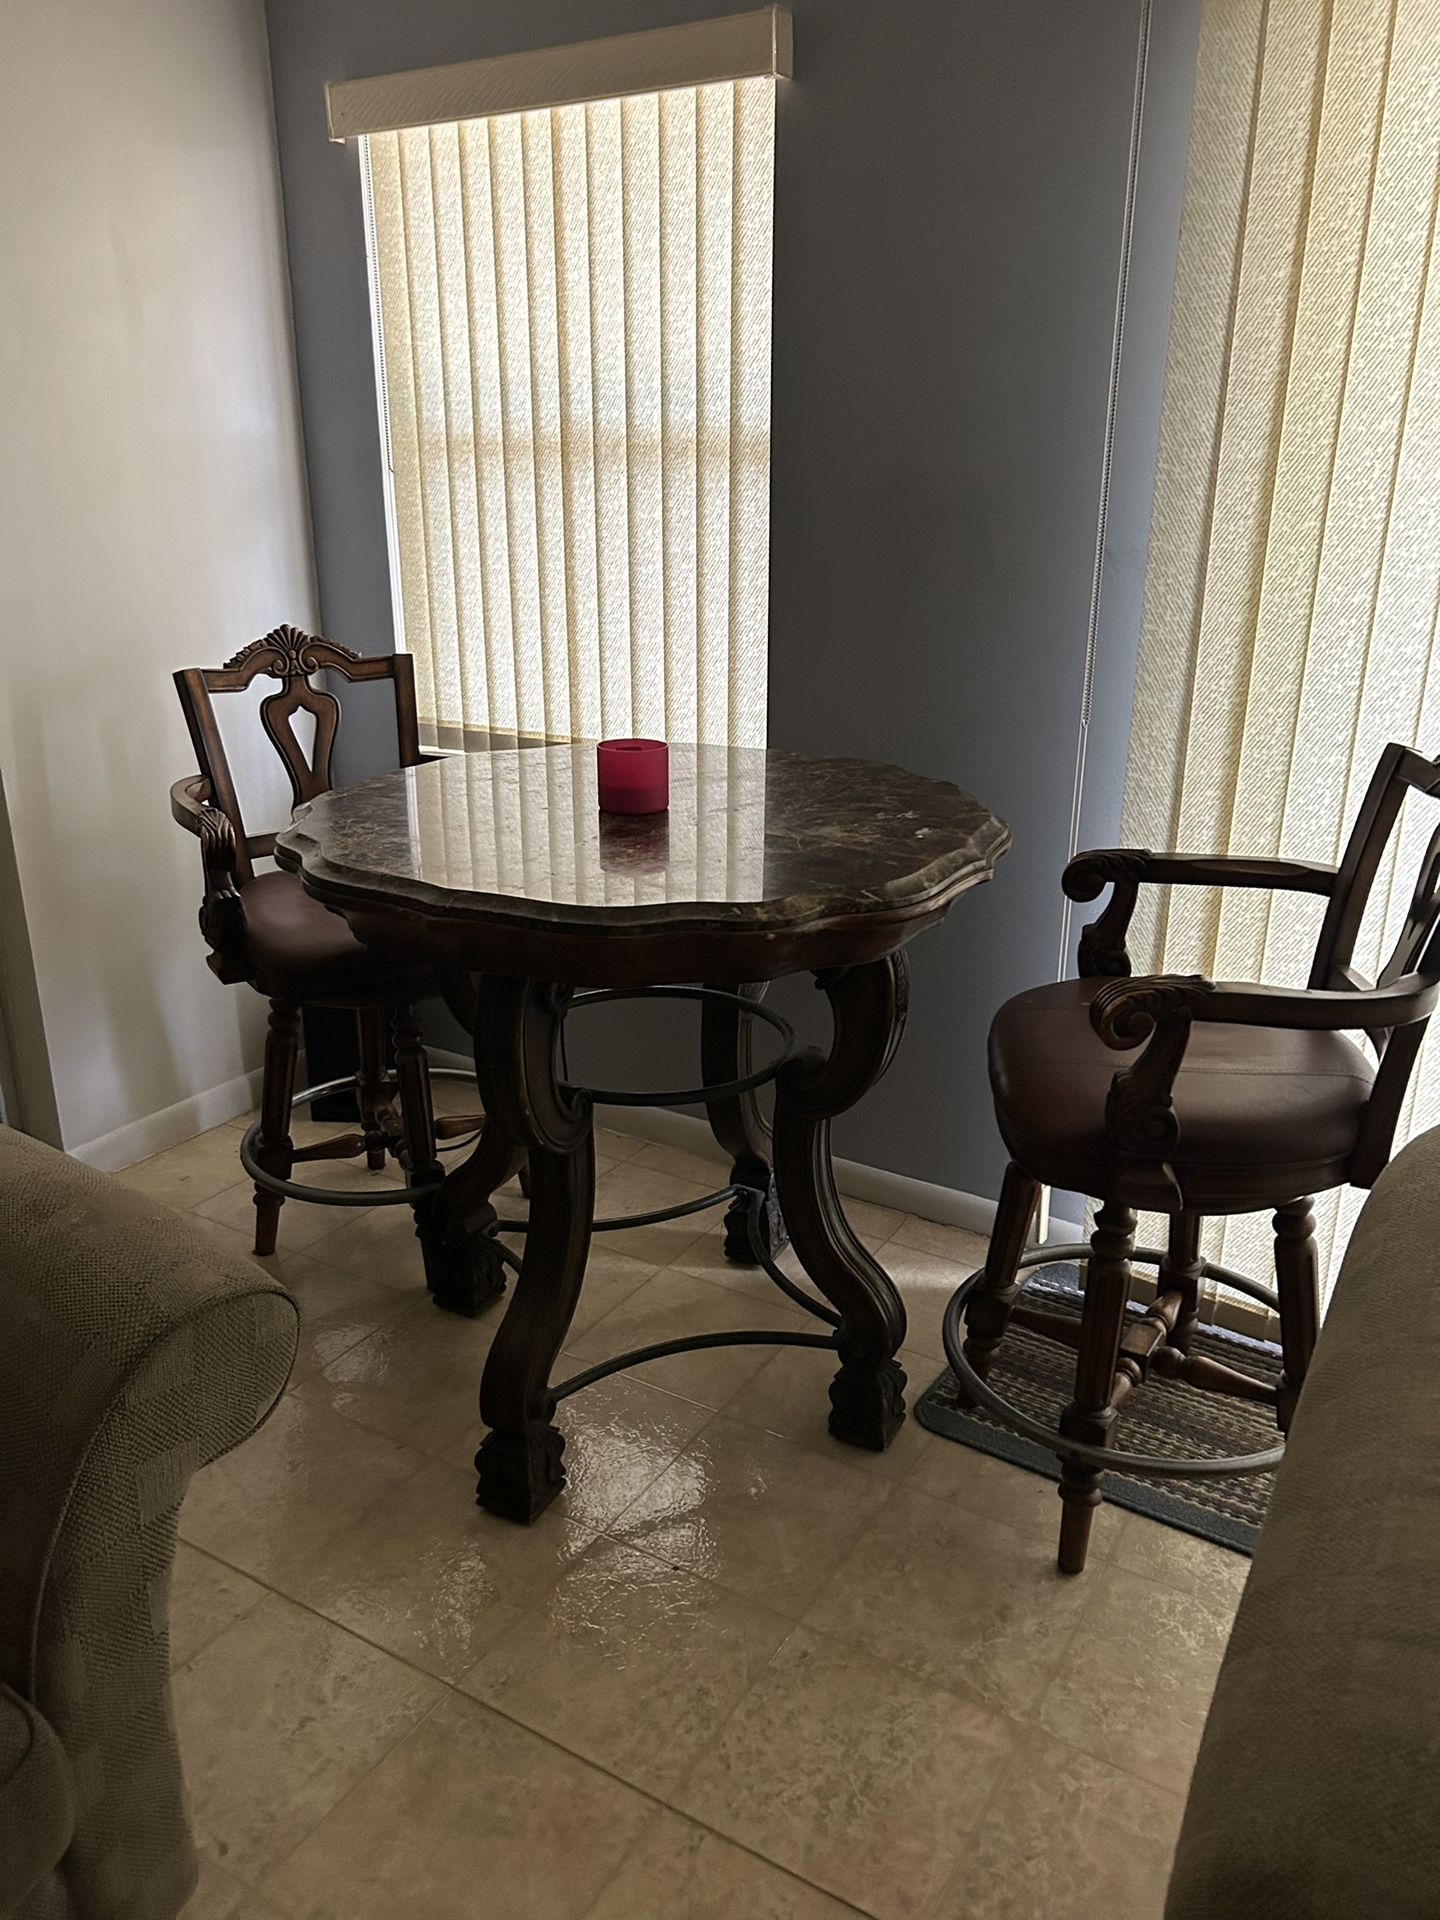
(1139, 1109)
(1102, 943)
(222, 911)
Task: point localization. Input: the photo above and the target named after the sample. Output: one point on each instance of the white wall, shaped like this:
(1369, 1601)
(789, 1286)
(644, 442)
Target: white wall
(152, 515)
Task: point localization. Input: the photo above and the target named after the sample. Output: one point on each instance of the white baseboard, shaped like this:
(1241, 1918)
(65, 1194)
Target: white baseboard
(155, 1132)
(882, 1188)
(948, 1205)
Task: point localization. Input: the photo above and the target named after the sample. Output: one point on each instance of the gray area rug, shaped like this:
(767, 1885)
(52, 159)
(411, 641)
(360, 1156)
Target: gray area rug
(1165, 1416)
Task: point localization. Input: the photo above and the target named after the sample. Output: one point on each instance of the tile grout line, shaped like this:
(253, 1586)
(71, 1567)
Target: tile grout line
(450, 1688)
(604, 1530)
(214, 1558)
(263, 1886)
(740, 1847)
(1023, 1731)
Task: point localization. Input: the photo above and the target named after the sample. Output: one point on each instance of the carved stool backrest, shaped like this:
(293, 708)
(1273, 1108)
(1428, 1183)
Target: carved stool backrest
(1398, 772)
(291, 656)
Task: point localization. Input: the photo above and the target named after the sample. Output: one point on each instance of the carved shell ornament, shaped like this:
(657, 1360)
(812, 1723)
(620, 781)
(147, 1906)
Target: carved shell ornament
(291, 652)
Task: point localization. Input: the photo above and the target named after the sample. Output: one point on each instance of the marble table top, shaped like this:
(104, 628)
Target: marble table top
(753, 838)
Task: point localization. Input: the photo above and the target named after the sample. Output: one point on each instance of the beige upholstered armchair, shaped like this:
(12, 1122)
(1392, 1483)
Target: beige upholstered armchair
(132, 1352)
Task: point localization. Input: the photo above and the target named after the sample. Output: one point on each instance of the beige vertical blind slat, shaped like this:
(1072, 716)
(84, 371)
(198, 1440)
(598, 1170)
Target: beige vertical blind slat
(574, 307)
(714, 372)
(750, 408)
(1289, 627)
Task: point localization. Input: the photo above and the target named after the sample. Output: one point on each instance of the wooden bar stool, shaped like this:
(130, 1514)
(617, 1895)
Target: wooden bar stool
(1227, 1098)
(264, 929)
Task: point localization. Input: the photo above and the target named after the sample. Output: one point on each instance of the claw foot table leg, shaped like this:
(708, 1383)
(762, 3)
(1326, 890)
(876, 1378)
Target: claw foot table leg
(516, 1052)
(867, 1395)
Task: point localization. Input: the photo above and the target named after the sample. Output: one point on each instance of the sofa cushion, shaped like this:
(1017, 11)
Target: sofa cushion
(135, 1350)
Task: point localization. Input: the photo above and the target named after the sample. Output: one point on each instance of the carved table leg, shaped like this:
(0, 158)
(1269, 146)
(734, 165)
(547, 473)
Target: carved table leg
(462, 1268)
(867, 1396)
(273, 1148)
(463, 1262)
(739, 1125)
(463, 1277)
(517, 1034)
(1090, 1416)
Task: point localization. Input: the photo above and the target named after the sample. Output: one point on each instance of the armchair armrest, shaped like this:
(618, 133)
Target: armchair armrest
(1335, 1650)
(222, 912)
(188, 801)
(135, 1352)
(1123, 869)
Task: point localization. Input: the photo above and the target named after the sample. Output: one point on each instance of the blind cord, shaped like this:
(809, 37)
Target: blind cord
(1122, 288)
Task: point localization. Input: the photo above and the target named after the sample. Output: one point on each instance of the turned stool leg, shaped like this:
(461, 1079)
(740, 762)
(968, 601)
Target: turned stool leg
(988, 1314)
(412, 1074)
(1297, 1280)
(417, 1115)
(370, 1083)
(1180, 1273)
(1090, 1417)
(273, 1148)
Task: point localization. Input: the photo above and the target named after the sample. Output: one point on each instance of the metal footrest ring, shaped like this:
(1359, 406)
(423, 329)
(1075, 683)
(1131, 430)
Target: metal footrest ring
(695, 1343)
(335, 1196)
(407, 1195)
(755, 1213)
(692, 1096)
(600, 1096)
(1113, 1459)
(692, 1343)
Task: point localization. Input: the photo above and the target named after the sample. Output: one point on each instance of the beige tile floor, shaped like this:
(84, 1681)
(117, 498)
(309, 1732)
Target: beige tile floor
(737, 1672)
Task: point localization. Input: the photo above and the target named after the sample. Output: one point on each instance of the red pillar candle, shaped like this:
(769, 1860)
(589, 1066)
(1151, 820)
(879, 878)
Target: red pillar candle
(634, 776)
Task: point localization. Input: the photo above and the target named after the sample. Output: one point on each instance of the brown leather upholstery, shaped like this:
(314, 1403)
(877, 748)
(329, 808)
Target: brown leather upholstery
(299, 950)
(1265, 1113)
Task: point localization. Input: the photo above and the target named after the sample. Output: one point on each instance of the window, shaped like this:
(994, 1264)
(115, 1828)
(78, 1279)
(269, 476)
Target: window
(1293, 584)
(572, 308)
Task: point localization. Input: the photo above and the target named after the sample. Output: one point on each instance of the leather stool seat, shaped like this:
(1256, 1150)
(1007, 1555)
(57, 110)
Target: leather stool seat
(300, 949)
(1265, 1113)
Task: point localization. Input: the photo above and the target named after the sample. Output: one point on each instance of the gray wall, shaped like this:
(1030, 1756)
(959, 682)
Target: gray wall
(949, 196)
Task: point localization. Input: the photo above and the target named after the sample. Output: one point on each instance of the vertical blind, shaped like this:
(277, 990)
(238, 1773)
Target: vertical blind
(1290, 618)
(573, 307)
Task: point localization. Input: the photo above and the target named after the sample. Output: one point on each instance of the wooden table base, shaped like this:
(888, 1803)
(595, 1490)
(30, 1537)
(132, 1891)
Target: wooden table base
(534, 1119)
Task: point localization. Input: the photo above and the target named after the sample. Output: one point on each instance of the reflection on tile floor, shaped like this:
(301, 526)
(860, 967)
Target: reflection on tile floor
(738, 1672)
